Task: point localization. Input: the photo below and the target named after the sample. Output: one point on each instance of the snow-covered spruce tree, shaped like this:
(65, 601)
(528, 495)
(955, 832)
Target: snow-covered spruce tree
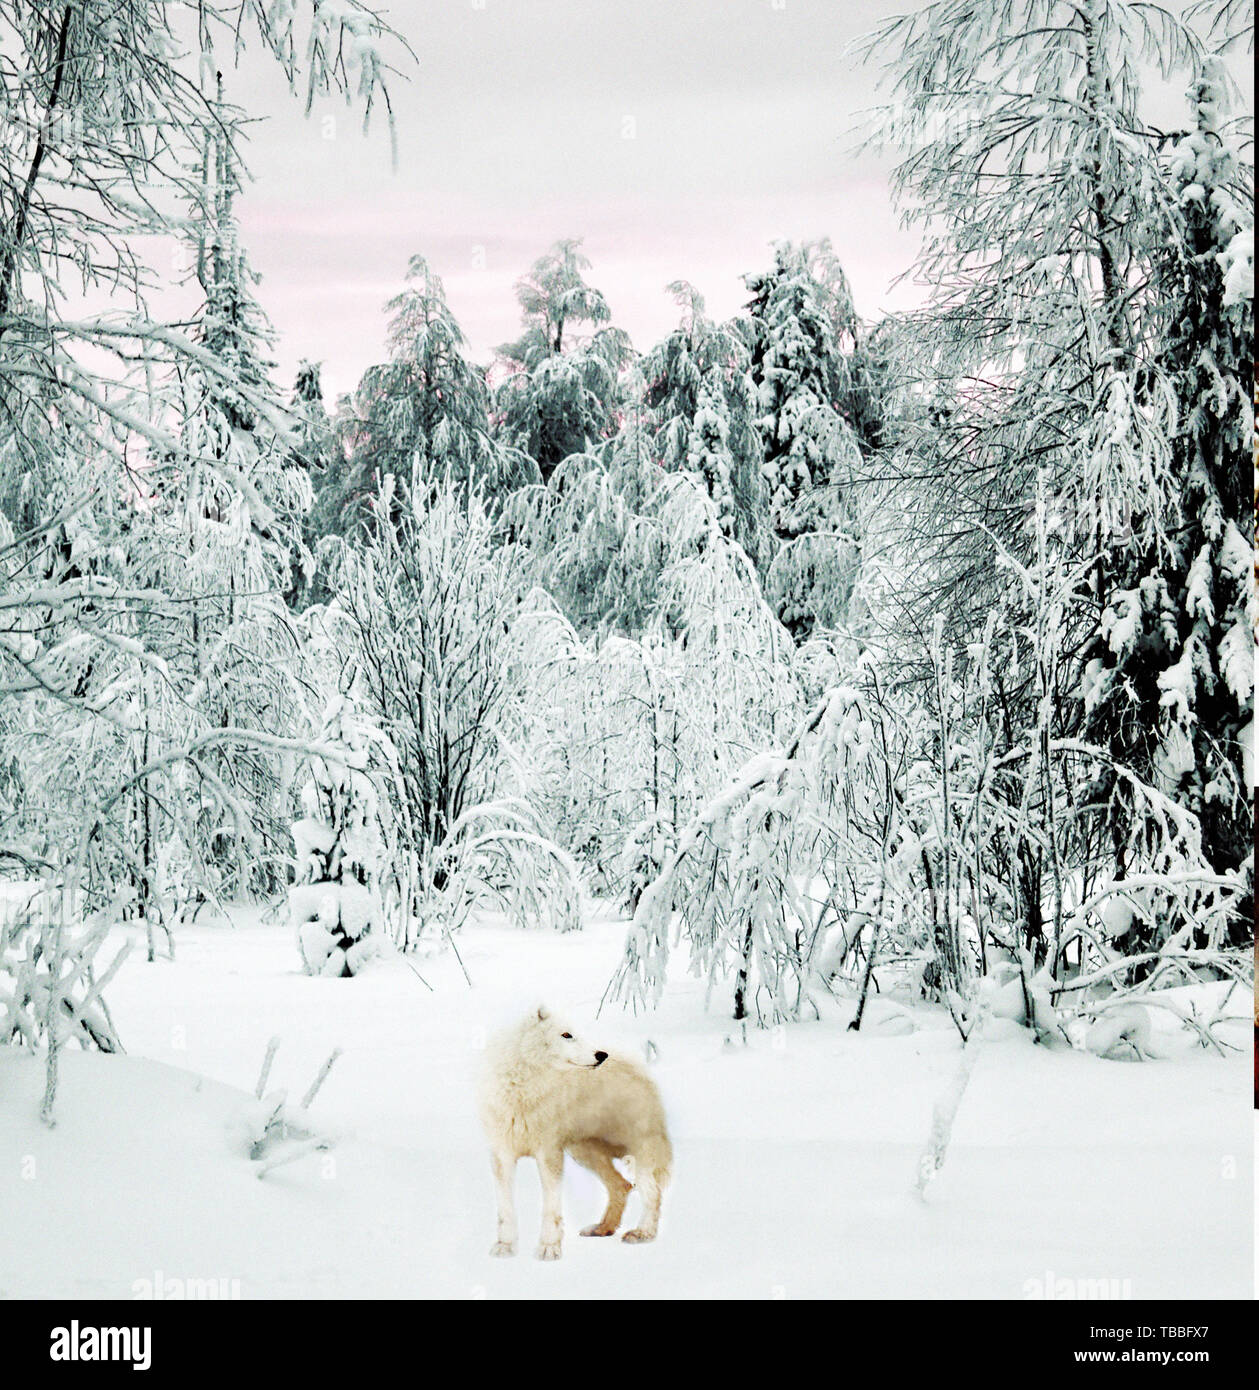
(709, 454)
(1034, 197)
(313, 427)
(421, 418)
(316, 449)
(561, 394)
(1170, 677)
(700, 395)
(594, 533)
(335, 905)
(799, 321)
(1045, 342)
(674, 371)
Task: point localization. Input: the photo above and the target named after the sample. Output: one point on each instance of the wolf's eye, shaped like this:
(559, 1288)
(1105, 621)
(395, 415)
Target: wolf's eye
(569, 1036)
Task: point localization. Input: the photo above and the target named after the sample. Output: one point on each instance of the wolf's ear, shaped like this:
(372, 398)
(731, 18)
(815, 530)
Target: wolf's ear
(543, 1013)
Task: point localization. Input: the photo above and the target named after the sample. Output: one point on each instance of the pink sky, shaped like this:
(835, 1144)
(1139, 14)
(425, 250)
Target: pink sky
(677, 139)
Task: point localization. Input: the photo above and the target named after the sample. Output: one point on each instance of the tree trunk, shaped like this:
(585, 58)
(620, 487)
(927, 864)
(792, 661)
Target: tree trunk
(741, 985)
(9, 271)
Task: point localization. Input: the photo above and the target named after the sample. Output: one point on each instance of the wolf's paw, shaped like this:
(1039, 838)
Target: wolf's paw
(601, 1229)
(501, 1248)
(549, 1250)
(638, 1236)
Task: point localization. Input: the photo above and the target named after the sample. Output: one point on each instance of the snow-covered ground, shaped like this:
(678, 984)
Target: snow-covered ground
(796, 1153)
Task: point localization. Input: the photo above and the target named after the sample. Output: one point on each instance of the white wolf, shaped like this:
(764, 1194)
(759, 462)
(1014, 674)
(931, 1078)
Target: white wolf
(546, 1093)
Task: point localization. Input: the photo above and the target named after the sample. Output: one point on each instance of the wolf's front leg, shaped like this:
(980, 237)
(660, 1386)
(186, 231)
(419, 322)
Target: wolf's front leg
(504, 1166)
(551, 1171)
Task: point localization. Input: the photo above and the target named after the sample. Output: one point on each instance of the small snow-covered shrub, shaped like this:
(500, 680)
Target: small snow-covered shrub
(335, 905)
(49, 991)
(1125, 1028)
(498, 857)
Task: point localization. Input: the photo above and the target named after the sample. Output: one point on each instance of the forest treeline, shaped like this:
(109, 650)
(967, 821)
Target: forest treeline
(820, 645)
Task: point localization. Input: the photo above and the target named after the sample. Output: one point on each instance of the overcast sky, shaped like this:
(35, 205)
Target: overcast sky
(678, 138)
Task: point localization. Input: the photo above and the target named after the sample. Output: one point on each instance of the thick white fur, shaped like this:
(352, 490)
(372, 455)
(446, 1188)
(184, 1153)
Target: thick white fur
(544, 1095)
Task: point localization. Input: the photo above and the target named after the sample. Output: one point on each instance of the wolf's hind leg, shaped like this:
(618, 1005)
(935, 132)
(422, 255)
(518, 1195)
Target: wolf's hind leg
(594, 1154)
(504, 1167)
(650, 1184)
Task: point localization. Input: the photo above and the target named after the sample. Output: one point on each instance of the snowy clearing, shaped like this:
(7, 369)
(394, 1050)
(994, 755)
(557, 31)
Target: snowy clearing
(796, 1154)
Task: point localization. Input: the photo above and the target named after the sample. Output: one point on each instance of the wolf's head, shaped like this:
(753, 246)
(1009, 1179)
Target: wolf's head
(552, 1042)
